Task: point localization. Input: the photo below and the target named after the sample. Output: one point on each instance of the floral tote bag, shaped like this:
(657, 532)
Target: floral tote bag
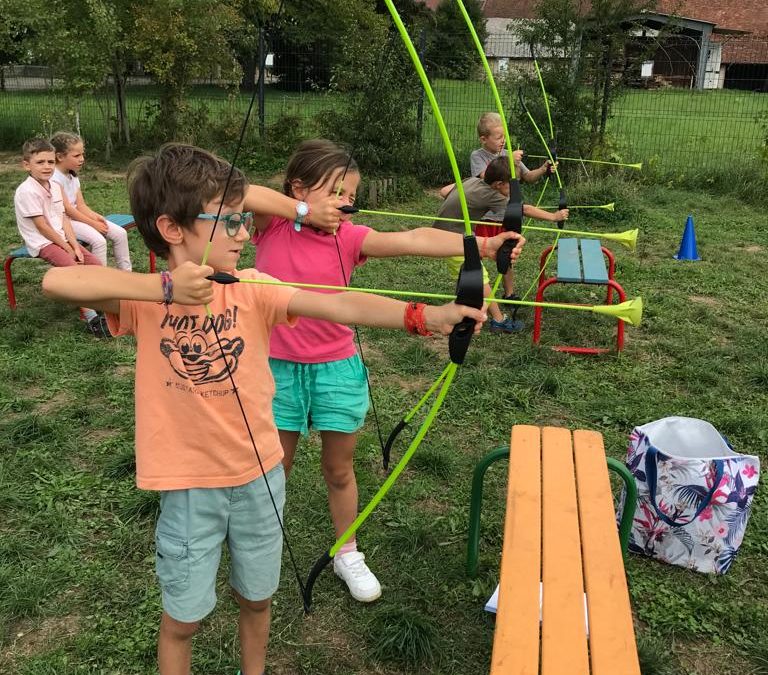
(694, 494)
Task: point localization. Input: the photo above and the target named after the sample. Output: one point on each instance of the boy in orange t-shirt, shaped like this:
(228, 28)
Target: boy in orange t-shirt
(218, 479)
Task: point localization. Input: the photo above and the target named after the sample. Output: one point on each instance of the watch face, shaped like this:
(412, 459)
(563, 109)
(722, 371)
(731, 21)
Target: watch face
(302, 209)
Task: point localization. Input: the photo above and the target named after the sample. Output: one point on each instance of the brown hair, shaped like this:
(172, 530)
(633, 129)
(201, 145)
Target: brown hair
(498, 170)
(35, 145)
(313, 163)
(178, 181)
(62, 141)
(487, 122)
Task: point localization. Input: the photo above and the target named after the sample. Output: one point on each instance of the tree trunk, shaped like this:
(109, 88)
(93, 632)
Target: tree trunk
(123, 127)
(605, 104)
(249, 73)
(595, 96)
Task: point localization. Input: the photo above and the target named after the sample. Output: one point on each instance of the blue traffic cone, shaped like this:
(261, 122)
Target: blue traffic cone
(688, 244)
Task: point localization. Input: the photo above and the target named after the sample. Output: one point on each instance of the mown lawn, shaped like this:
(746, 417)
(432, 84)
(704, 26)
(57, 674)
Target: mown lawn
(76, 555)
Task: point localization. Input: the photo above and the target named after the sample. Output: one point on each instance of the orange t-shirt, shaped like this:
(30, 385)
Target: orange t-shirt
(190, 431)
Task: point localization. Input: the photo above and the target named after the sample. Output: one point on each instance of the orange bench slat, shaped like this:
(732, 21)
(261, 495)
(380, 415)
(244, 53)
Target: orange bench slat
(612, 645)
(516, 641)
(563, 626)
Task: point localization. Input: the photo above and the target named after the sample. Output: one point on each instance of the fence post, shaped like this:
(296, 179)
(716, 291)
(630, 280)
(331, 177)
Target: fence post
(260, 85)
(420, 108)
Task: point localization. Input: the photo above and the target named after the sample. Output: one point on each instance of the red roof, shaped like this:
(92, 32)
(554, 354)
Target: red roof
(747, 15)
(510, 9)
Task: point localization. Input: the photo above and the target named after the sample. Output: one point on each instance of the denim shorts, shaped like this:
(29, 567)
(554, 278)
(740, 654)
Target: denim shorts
(330, 396)
(192, 526)
(455, 262)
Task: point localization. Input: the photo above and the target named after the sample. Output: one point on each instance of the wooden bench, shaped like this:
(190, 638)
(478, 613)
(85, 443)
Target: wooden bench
(561, 554)
(580, 261)
(123, 220)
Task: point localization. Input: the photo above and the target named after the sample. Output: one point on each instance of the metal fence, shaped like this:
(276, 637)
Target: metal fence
(690, 103)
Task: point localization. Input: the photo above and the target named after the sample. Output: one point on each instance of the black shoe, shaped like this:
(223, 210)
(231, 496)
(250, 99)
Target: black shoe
(97, 326)
(516, 310)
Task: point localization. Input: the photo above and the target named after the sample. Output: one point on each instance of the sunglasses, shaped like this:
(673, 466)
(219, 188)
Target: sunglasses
(232, 221)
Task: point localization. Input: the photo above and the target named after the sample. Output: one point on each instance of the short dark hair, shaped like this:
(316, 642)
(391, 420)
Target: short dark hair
(498, 170)
(35, 145)
(314, 161)
(178, 181)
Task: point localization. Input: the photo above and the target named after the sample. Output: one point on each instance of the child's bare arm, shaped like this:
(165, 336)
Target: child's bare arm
(83, 207)
(44, 228)
(102, 288)
(534, 174)
(446, 190)
(264, 203)
(372, 310)
(430, 242)
(541, 214)
(83, 214)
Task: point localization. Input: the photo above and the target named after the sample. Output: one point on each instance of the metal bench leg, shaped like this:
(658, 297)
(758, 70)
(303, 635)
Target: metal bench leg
(476, 503)
(611, 272)
(9, 282)
(615, 285)
(630, 502)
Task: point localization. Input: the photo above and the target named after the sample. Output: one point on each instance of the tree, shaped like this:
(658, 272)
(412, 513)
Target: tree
(312, 39)
(15, 25)
(257, 14)
(179, 41)
(583, 62)
(450, 50)
(377, 120)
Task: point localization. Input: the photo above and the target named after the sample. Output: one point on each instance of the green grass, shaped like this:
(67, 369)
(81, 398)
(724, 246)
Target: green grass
(76, 551)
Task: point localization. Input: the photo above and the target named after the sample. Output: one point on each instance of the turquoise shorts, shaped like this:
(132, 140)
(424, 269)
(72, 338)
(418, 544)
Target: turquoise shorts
(330, 396)
(192, 526)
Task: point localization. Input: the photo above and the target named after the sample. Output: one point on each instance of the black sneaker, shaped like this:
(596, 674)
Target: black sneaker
(514, 309)
(97, 326)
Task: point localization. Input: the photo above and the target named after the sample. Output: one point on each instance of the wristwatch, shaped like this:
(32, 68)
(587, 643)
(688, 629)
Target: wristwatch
(302, 211)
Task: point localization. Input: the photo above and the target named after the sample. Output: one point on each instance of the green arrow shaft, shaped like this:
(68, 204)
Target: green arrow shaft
(608, 207)
(416, 216)
(410, 294)
(637, 165)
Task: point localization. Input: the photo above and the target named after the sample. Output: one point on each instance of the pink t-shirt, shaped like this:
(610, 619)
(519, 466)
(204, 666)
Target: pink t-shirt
(310, 256)
(33, 199)
(190, 431)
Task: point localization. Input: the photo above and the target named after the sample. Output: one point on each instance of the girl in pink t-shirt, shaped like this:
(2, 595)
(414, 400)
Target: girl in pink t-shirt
(320, 380)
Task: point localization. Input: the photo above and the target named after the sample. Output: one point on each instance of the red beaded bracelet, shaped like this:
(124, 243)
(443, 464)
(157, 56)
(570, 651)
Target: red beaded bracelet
(483, 245)
(414, 319)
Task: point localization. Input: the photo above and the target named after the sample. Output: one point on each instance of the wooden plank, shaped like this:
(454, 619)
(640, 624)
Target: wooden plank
(563, 627)
(593, 262)
(568, 260)
(612, 646)
(516, 641)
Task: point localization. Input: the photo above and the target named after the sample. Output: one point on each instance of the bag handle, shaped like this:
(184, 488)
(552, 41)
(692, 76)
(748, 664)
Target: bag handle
(650, 474)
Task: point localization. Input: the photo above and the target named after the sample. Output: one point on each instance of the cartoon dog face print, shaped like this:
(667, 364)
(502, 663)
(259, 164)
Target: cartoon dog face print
(192, 356)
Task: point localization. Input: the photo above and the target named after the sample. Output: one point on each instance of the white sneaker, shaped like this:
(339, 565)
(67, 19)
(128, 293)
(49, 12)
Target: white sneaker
(362, 583)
